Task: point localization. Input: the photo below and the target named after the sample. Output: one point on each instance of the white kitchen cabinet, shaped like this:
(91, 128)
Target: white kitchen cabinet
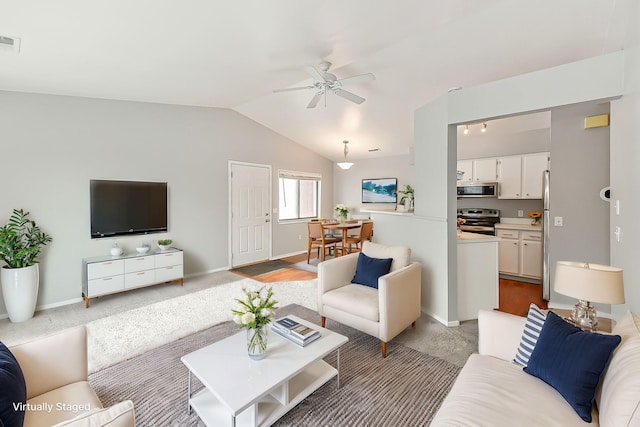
(533, 166)
(520, 253)
(520, 177)
(509, 253)
(478, 170)
(466, 166)
(484, 170)
(109, 275)
(531, 254)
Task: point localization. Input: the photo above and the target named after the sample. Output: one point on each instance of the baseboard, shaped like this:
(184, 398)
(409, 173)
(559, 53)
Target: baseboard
(444, 322)
(203, 273)
(76, 300)
(48, 306)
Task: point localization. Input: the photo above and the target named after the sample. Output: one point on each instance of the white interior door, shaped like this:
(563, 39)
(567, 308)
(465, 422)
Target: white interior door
(250, 213)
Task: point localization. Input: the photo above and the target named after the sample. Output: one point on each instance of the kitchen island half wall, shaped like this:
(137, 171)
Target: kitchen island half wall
(477, 274)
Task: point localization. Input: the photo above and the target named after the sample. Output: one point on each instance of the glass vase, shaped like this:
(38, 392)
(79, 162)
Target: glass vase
(257, 342)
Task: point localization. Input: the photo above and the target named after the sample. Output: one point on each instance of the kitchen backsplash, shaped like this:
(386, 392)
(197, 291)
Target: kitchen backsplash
(508, 208)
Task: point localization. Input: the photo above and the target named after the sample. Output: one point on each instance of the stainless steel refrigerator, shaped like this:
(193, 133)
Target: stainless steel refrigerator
(546, 225)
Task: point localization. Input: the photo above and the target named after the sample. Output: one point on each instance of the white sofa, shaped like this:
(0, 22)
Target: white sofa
(383, 312)
(491, 390)
(58, 391)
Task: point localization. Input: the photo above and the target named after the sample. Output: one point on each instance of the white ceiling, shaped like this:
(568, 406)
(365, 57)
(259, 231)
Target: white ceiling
(233, 54)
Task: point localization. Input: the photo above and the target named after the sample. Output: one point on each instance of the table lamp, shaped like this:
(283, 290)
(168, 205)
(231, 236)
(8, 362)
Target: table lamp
(589, 283)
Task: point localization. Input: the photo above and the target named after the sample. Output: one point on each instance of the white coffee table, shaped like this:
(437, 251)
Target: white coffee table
(239, 391)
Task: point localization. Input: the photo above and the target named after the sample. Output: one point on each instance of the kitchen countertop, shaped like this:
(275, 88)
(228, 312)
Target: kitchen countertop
(466, 237)
(526, 227)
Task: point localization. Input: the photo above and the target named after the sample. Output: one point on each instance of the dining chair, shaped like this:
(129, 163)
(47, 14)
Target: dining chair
(354, 243)
(318, 240)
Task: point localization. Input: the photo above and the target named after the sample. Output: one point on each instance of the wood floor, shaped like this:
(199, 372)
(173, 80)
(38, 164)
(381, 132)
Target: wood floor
(286, 274)
(515, 297)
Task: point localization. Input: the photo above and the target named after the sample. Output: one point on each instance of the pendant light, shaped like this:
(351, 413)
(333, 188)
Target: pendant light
(345, 164)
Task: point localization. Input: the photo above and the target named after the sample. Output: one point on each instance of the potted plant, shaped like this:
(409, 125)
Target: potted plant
(20, 243)
(407, 199)
(164, 244)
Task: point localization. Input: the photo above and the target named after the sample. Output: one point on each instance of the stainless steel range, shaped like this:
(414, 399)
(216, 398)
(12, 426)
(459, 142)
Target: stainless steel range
(478, 220)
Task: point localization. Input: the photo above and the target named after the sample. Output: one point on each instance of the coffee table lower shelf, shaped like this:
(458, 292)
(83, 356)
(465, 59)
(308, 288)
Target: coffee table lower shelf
(270, 407)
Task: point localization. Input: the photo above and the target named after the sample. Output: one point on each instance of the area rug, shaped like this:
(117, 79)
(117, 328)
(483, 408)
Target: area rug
(116, 338)
(404, 389)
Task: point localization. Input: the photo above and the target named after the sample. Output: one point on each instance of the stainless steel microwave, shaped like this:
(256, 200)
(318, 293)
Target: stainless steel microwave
(478, 189)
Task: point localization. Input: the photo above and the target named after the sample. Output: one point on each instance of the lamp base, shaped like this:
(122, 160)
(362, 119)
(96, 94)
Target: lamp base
(584, 316)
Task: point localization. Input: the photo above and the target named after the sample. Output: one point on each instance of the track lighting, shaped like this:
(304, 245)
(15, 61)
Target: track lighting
(346, 164)
(484, 127)
(466, 130)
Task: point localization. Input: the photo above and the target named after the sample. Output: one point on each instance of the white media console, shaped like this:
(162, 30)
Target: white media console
(109, 275)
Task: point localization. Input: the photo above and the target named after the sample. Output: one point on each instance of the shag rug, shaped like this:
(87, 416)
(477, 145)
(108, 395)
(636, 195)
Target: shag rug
(404, 389)
(116, 338)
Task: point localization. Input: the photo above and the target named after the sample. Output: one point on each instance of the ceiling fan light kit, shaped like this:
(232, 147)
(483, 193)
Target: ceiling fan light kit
(323, 81)
(346, 164)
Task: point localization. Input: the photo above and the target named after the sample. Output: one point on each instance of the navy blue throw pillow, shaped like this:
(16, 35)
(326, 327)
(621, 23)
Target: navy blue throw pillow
(368, 270)
(13, 395)
(571, 361)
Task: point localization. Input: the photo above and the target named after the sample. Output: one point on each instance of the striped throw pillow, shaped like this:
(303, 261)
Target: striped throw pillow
(532, 328)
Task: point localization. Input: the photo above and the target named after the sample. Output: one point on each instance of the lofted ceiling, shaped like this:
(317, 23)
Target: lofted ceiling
(233, 54)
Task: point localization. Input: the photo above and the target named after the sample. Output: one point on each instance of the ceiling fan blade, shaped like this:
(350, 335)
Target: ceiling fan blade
(315, 100)
(293, 88)
(315, 74)
(356, 79)
(350, 96)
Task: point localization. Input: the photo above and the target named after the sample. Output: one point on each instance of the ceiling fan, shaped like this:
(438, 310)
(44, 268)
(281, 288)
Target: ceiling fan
(324, 81)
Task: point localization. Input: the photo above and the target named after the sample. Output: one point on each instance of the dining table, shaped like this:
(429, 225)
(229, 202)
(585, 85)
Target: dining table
(345, 227)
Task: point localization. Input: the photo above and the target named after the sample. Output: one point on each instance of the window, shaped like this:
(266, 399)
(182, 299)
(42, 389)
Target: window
(299, 195)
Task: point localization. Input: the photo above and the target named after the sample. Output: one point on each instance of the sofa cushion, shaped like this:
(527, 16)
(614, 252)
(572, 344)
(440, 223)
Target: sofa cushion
(530, 333)
(401, 254)
(359, 300)
(618, 399)
(571, 361)
(496, 392)
(368, 270)
(14, 389)
(119, 415)
(66, 402)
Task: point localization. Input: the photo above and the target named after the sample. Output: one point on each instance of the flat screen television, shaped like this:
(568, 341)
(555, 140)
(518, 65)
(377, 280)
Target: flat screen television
(121, 208)
(380, 190)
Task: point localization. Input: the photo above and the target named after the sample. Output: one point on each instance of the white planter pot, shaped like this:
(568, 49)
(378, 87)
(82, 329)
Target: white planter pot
(20, 291)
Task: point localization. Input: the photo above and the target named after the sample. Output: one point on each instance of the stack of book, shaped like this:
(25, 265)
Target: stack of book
(294, 331)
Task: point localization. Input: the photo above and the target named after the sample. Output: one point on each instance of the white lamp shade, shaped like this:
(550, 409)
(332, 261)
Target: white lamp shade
(589, 282)
(345, 165)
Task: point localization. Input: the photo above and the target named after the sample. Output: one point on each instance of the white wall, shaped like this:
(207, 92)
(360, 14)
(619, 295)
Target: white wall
(53, 145)
(579, 170)
(625, 180)
(347, 187)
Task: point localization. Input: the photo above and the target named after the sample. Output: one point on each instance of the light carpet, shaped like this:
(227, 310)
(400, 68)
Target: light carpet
(404, 389)
(116, 338)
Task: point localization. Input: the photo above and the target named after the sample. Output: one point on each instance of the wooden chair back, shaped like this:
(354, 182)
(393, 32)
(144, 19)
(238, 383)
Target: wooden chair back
(315, 230)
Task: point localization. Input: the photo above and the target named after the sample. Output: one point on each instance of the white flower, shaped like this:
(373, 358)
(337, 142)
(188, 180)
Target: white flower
(265, 312)
(238, 319)
(248, 318)
(256, 302)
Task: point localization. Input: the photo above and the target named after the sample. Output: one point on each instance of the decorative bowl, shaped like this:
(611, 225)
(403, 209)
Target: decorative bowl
(164, 247)
(142, 249)
(116, 251)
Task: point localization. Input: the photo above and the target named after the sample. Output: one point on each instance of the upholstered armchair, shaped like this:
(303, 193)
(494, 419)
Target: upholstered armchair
(382, 312)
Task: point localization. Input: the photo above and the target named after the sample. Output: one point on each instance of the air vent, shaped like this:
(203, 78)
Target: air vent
(9, 44)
